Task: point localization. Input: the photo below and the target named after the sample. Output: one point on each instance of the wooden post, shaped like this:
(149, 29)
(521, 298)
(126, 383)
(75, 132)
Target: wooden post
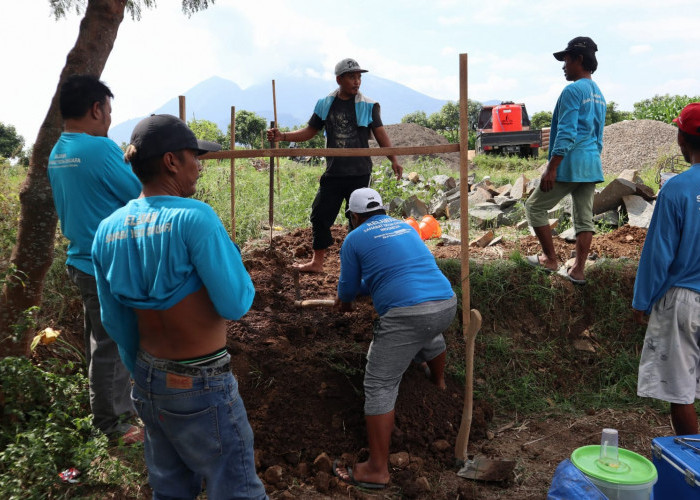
(233, 174)
(183, 115)
(274, 108)
(271, 215)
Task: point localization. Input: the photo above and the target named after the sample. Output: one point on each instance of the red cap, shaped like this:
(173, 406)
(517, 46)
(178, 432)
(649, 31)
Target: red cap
(689, 119)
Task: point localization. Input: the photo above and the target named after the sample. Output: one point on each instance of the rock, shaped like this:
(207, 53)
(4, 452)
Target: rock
(495, 241)
(504, 201)
(522, 224)
(632, 175)
(323, 463)
(611, 218)
(639, 211)
(441, 445)
(438, 205)
(483, 241)
(453, 209)
(479, 195)
(399, 460)
(611, 196)
(444, 181)
(483, 216)
(448, 240)
(322, 482)
(395, 204)
(504, 190)
(422, 484)
(414, 207)
(569, 235)
(273, 475)
(584, 345)
(414, 177)
(531, 186)
(518, 189)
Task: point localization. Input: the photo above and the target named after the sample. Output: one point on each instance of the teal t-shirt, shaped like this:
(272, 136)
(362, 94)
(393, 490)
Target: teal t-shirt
(90, 180)
(578, 121)
(154, 252)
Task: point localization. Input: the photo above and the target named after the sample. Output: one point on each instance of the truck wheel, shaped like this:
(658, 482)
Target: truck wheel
(535, 152)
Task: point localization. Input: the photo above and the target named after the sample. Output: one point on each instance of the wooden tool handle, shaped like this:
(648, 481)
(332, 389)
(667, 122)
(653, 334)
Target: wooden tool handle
(466, 424)
(315, 303)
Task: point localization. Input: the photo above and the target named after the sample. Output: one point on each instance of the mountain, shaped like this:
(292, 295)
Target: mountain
(295, 96)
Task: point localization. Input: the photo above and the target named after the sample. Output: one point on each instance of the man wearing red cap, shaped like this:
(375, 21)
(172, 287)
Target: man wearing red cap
(667, 287)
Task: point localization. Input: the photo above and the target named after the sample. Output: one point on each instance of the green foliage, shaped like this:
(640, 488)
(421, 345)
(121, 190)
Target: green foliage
(11, 143)
(614, 115)
(60, 8)
(249, 129)
(446, 121)
(46, 428)
(206, 130)
(663, 108)
(540, 120)
(417, 117)
(503, 163)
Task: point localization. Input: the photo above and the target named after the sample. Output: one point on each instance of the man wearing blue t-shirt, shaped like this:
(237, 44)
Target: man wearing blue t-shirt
(349, 118)
(90, 180)
(667, 287)
(574, 166)
(385, 258)
(169, 277)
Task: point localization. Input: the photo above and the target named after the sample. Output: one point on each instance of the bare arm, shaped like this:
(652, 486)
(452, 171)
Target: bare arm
(384, 142)
(301, 135)
(550, 173)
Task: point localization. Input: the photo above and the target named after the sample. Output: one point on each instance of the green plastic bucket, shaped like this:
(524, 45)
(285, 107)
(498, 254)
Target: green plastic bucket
(631, 479)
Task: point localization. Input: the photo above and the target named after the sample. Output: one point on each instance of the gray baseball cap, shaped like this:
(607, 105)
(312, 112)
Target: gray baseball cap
(348, 66)
(160, 134)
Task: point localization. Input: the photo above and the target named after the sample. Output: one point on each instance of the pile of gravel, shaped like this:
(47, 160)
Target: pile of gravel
(412, 134)
(637, 144)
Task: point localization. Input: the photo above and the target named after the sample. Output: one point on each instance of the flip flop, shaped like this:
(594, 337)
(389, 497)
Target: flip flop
(534, 261)
(353, 482)
(564, 272)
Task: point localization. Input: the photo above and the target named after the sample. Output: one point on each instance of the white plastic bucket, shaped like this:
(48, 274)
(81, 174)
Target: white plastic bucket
(624, 491)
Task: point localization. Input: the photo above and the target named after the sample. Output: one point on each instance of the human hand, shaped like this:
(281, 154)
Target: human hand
(343, 307)
(398, 170)
(638, 317)
(274, 135)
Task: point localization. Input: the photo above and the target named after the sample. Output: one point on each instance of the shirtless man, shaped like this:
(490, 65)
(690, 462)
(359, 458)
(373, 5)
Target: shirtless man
(168, 277)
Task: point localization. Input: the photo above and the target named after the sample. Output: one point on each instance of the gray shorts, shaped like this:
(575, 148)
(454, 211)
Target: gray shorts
(404, 334)
(669, 368)
(539, 203)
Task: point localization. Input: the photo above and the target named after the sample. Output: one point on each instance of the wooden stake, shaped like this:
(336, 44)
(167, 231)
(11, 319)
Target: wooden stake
(183, 115)
(274, 108)
(233, 174)
(272, 191)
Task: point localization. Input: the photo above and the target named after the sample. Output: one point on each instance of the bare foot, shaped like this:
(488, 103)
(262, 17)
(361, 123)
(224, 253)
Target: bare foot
(552, 265)
(309, 267)
(362, 474)
(440, 383)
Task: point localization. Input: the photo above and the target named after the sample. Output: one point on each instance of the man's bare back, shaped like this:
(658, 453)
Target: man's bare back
(189, 329)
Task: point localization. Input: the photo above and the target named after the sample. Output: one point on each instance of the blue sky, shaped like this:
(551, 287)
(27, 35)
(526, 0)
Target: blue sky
(645, 48)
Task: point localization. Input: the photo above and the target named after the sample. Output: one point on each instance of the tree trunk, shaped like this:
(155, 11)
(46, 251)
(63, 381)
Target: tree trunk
(34, 249)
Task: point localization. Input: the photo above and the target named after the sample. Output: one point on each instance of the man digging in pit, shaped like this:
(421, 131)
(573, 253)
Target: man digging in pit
(349, 117)
(385, 258)
(667, 287)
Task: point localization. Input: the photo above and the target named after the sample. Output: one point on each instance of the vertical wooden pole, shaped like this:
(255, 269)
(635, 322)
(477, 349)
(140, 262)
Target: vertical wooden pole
(272, 190)
(233, 174)
(183, 115)
(274, 108)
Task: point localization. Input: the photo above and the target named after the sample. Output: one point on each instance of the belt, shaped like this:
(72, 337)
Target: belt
(167, 365)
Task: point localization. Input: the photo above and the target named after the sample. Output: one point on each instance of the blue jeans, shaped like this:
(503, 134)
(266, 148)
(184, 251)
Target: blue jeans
(196, 429)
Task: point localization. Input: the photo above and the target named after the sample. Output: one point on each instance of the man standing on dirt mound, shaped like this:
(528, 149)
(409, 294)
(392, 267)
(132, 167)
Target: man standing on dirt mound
(387, 259)
(169, 276)
(349, 118)
(90, 180)
(667, 287)
(574, 166)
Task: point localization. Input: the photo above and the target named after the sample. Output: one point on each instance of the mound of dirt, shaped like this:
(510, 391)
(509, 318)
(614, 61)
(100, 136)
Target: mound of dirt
(637, 144)
(412, 134)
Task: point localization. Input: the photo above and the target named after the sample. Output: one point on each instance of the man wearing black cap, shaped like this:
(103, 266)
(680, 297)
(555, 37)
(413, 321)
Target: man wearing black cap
(667, 287)
(574, 166)
(168, 277)
(349, 117)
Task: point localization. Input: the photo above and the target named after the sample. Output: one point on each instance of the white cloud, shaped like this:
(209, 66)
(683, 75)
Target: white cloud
(639, 49)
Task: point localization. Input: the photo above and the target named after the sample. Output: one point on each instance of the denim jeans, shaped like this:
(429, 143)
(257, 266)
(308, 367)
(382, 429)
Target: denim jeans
(196, 429)
(110, 382)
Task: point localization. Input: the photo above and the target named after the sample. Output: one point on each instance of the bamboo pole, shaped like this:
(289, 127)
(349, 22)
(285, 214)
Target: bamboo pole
(183, 115)
(399, 151)
(233, 174)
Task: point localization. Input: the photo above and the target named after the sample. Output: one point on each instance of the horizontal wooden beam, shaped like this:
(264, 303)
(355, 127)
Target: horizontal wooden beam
(272, 153)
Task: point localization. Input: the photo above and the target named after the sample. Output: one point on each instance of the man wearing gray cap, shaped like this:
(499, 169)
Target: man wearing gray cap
(574, 166)
(168, 277)
(349, 118)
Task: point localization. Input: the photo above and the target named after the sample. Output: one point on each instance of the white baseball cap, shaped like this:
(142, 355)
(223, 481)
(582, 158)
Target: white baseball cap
(365, 200)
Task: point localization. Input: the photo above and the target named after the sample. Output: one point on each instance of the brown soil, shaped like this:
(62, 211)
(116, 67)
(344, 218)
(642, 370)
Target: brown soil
(300, 374)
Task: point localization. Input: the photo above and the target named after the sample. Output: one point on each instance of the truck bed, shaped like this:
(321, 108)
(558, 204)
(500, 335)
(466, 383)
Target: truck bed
(509, 142)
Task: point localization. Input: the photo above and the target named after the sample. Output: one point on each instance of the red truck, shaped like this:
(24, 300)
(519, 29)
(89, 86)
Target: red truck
(505, 129)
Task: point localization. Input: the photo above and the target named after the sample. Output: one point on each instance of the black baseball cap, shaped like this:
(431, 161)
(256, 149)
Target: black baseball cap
(579, 45)
(160, 134)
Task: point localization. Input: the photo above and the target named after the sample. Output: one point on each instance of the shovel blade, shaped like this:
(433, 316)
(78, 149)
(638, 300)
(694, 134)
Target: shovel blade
(487, 469)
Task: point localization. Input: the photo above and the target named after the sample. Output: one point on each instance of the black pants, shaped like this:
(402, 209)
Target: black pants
(331, 193)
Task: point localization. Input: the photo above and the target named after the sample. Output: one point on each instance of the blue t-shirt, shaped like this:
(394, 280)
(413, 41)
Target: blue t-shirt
(388, 257)
(670, 256)
(578, 121)
(89, 180)
(154, 252)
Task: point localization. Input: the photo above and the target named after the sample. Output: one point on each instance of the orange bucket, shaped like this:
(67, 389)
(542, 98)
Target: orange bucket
(429, 227)
(413, 223)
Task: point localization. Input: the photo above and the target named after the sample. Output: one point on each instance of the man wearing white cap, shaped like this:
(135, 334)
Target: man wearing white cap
(349, 118)
(385, 258)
